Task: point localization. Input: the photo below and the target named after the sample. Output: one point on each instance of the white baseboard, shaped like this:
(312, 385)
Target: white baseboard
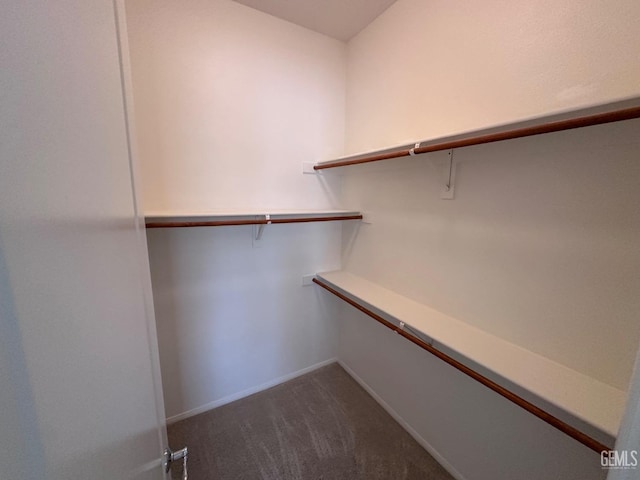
(245, 393)
(426, 445)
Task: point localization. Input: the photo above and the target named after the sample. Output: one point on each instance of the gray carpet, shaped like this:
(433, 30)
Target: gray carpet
(322, 425)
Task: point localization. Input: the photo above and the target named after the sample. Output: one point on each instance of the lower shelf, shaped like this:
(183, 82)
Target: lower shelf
(584, 408)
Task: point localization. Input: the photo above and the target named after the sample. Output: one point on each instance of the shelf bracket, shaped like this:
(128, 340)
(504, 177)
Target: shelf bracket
(258, 230)
(267, 217)
(448, 188)
(307, 168)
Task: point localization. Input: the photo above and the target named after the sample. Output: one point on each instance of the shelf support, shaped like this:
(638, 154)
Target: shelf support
(258, 229)
(308, 168)
(267, 217)
(448, 189)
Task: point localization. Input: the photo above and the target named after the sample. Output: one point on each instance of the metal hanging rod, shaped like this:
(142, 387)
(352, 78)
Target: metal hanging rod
(555, 422)
(256, 220)
(480, 138)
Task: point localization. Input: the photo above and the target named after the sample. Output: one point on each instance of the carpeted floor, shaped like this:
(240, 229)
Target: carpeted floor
(322, 425)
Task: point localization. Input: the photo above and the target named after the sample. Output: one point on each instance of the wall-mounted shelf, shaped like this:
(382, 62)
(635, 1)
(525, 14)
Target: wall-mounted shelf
(582, 407)
(614, 112)
(231, 218)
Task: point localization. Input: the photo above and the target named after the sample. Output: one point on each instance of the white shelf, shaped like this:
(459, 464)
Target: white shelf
(246, 217)
(594, 115)
(585, 403)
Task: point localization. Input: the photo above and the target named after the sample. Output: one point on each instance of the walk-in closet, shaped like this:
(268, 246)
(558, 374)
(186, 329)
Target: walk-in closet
(321, 239)
(491, 224)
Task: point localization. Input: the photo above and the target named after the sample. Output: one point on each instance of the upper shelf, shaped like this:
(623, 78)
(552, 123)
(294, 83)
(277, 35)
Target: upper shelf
(586, 404)
(238, 217)
(614, 112)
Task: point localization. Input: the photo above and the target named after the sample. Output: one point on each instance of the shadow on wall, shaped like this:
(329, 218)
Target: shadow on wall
(21, 450)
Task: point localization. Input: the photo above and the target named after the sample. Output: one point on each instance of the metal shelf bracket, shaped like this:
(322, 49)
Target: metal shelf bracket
(448, 189)
(258, 230)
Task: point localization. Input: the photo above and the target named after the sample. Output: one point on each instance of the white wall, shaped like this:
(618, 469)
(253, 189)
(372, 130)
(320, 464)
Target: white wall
(629, 436)
(429, 68)
(76, 350)
(232, 317)
(229, 102)
(539, 244)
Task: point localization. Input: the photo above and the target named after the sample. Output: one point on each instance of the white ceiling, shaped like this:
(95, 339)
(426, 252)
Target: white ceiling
(340, 19)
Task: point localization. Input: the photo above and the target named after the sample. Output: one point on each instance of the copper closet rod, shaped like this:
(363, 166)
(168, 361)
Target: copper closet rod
(257, 221)
(509, 395)
(587, 121)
